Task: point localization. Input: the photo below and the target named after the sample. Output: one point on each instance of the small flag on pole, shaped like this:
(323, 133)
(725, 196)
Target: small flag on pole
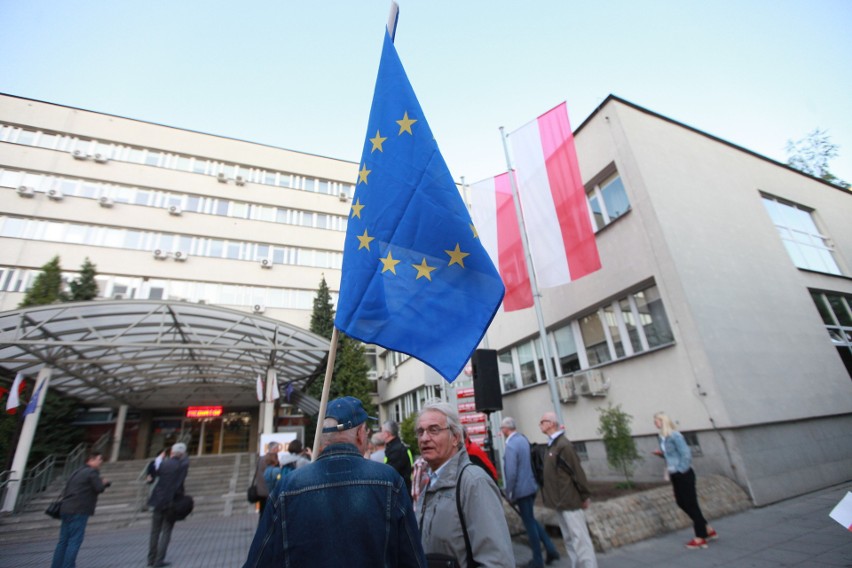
(14, 400)
(415, 277)
(842, 513)
(33, 403)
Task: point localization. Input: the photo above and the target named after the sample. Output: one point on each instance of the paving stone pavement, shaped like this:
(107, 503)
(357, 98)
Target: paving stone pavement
(796, 532)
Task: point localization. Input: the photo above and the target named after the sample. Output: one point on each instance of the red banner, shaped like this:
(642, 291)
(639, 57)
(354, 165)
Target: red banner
(464, 393)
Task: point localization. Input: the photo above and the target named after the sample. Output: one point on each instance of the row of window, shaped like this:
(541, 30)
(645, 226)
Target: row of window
(413, 401)
(629, 325)
(128, 288)
(73, 187)
(152, 157)
(607, 201)
(131, 239)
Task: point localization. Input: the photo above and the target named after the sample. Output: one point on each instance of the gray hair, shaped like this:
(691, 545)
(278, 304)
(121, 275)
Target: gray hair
(377, 440)
(508, 423)
(349, 436)
(447, 410)
(391, 428)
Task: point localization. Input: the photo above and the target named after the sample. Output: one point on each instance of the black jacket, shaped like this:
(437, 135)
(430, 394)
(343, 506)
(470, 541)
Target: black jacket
(81, 492)
(396, 456)
(170, 478)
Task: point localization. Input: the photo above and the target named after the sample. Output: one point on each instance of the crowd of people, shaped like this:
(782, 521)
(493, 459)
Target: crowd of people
(443, 508)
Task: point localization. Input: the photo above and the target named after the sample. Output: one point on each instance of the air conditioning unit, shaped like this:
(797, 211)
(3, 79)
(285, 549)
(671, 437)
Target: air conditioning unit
(567, 392)
(105, 201)
(386, 375)
(101, 158)
(180, 255)
(55, 194)
(591, 383)
(175, 210)
(26, 191)
(80, 154)
(266, 263)
(160, 254)
(222, 177)
(343, 196)
(240, 180)
(372, 376)
(258, 308)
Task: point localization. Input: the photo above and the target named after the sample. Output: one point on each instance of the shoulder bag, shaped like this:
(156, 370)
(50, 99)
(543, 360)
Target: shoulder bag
(251, 492)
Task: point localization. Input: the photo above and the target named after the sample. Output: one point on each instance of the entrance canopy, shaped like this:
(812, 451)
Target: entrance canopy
(159, 354)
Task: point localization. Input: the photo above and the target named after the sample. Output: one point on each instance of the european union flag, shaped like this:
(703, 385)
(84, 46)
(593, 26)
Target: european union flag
(416, 278)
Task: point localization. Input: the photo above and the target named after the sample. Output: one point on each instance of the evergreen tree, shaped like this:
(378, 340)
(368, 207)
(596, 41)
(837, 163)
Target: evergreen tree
(84, 287)
(47, 288)
(350, 366)
(621, 452)
(54, 434)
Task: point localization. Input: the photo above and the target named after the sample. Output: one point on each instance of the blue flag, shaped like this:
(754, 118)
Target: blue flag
(31, 405)
(416, 278)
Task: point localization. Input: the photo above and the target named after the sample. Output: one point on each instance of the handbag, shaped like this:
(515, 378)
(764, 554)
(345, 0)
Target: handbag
(439, 560)
(53, 510)
(182, 507)
(251, 492)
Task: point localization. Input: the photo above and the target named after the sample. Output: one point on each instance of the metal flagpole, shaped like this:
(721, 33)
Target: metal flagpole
(545, 346)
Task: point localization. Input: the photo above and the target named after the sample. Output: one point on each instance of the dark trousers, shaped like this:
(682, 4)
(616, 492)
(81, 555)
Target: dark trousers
(687, 499)
(162, 523)
(70, 538)
(535, 532)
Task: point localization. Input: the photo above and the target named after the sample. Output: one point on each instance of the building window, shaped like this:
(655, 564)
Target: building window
(807, 247)
(692, 441)
(607, 202)
(580, 449)
(632, 324)
(835, 308)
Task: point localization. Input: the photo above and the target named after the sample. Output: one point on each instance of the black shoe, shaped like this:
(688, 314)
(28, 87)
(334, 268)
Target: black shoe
(551, 558)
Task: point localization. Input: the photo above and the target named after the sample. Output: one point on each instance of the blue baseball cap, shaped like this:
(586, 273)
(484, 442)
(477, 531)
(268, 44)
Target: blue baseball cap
(348, 411)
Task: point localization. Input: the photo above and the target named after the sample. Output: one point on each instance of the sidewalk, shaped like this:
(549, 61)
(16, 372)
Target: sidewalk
(796, 532)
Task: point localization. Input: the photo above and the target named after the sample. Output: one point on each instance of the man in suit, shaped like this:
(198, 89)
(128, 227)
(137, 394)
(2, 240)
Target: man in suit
(521, 489)
(170, 478)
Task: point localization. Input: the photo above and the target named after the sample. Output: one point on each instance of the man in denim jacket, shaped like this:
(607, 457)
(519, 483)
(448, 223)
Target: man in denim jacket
(340, 510)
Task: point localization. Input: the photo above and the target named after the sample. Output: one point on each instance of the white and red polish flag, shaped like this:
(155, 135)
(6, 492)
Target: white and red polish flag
(553, 202)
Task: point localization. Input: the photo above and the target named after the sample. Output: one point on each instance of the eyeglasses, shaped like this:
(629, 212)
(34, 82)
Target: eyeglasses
(544, 421)
(431, 430)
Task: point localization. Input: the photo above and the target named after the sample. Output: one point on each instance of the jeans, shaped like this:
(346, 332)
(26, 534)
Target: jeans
(535, 532)
(162, 523)
(70, 538)
(686, 498)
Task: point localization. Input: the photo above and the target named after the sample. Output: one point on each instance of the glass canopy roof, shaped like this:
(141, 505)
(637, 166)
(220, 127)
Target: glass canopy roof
(159, 354)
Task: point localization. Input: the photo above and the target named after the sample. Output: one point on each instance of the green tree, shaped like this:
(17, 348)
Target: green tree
(84, 287)
(54, 434)
(621, 452)
(406, 432)
(47, 288)
(811, 155)
(350, 366)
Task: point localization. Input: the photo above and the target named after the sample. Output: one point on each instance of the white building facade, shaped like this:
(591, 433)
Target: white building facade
(723, 300)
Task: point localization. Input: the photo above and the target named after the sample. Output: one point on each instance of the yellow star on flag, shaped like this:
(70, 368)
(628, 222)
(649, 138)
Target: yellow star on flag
(424, 270)
(473, 230)
(377, 142)
(389, 263)
(405, 124)
(365, 240)
(356, 208)
(362, 175)
(457, 256)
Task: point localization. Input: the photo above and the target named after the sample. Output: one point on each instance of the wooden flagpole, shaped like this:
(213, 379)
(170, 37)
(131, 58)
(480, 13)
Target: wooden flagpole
(326, 387)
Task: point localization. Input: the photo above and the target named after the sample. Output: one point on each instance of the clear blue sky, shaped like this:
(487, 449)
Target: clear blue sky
(300, 75)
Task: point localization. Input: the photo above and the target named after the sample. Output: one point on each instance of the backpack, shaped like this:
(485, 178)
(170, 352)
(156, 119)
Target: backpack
(537, 462)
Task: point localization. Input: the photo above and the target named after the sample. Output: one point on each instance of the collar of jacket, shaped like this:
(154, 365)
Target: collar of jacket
(450, 473)
(339, 449)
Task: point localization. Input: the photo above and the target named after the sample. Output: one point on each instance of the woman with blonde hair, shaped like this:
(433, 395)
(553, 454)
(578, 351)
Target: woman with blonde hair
(674, 449)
